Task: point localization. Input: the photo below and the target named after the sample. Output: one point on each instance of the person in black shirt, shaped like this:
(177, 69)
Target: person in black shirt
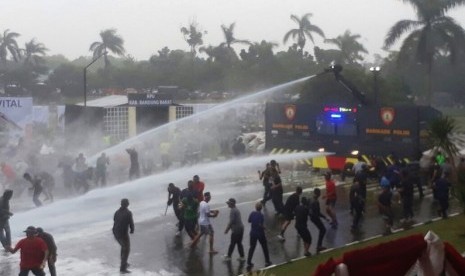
(52, 249)
(174, 197)
(406, 192)
(442, 186)
(276, 191)
(315, 217)
(384, 205)
(356, 203)
(301, 217)
(5, 214)
(288, 210)
(36, 188)
(265, 176)
(134, 170)
(123, 222)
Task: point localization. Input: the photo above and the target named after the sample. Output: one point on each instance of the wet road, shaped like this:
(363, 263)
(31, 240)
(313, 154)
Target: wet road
(155, 250)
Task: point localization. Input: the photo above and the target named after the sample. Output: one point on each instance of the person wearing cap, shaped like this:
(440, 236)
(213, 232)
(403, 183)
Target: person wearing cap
(52, 249)
(204, 222)
(34, 253)
(5, 214)
(123, 222)
(237, 231)
(174, 197)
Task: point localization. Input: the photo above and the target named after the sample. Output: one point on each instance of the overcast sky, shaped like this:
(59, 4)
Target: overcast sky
(68, 27)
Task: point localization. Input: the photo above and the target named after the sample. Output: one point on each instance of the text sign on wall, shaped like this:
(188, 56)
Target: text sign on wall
(149, 99)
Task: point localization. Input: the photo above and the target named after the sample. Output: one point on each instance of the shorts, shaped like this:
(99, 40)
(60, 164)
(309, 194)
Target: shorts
(331, 202)
(304, 234)
(206, 229)
(189, 225)
(288, 215)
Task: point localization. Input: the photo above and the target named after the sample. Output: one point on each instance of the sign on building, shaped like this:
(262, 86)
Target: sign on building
(150, 99)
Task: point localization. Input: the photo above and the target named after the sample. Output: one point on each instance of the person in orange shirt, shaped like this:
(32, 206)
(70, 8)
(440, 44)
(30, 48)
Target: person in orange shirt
(199, 186)
(331, 198)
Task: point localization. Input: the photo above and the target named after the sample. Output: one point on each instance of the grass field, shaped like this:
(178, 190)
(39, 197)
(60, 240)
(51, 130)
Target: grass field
(451, 230)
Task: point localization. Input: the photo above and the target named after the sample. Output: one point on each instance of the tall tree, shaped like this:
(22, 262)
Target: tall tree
(431, 32)
(228, 33)
(110, 42)
(33, 53)
(193, 36)
(350, 49)
(304, 31)
(8, 44)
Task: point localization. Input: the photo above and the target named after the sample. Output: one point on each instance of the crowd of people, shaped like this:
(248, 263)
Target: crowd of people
(193, 212)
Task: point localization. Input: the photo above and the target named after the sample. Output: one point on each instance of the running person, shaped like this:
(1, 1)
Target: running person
(257, 233)
(291, 203)
(237, 231)
(204, 222)
(301, 218)
(36, 188)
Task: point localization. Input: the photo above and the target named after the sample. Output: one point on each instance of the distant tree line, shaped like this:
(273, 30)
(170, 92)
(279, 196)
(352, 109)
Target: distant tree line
(431, 58)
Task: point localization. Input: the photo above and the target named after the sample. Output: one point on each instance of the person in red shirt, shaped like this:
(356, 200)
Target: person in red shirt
(34, 253)
(331, 198)
(199, 186)
(9, 173)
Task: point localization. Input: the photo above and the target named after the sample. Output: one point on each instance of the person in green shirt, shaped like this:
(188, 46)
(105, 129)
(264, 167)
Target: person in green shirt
(190, 207)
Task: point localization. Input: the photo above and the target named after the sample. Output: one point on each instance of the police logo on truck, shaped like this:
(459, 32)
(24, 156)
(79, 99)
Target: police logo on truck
(290, 111)
(387, 115)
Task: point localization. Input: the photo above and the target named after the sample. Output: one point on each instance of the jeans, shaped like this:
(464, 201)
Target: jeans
(253, 244)
(5, 233)
(322, 230)
(236, 238)
(277, 199)
(125, 248)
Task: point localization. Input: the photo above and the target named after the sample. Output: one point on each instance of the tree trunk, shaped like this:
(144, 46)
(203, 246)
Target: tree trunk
(429, 85)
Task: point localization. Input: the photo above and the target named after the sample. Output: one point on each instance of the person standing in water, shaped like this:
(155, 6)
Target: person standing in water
(134, 170)
(123, 223)
(5, 214)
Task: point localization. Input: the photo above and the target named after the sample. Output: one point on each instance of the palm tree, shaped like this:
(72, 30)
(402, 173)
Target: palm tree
(8, 44)
(110, 42)
(431, 32)
(193, 36)
(228, 33)
(304, 30)
(33, 52)
(350, 48)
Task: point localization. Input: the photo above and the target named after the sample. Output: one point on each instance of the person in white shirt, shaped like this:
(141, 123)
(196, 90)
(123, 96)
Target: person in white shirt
(204, 222)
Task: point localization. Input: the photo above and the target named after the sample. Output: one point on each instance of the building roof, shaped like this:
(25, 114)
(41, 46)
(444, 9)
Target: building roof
(108, 101)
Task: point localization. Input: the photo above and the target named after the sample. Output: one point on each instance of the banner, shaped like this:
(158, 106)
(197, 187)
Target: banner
(16, 116)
